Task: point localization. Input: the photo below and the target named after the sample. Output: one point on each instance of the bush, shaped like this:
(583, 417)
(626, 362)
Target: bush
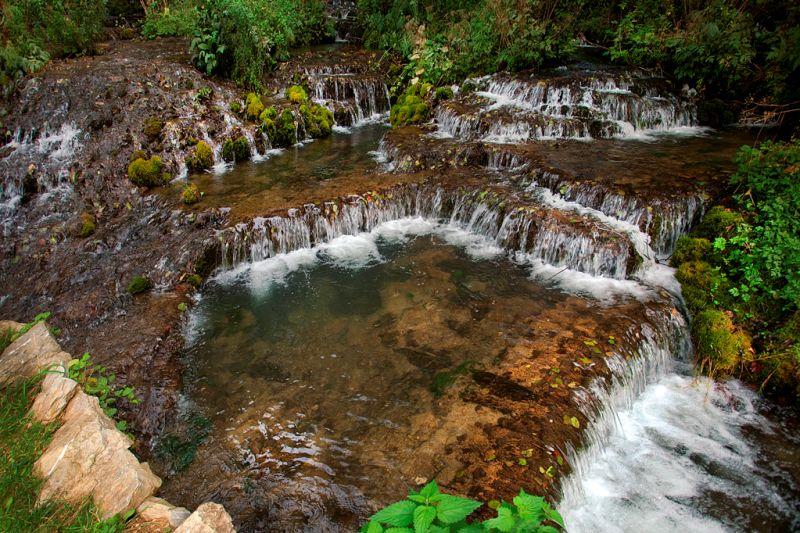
(139, 284)
(243, 39)
(147, 172)
(87, 224)
(178, 19)
(237, 149)
(201, 158)
(190, 194)
(690, 249)
(296, 94)
(719, 346)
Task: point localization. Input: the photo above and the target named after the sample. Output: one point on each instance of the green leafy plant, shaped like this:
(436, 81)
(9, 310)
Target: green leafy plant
(430, 510)
(97, 381)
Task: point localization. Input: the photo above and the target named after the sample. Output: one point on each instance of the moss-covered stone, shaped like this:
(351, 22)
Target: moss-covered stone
(443, 93)
(703, 286)
(236, 107)
(87, 224)
(281, 129)
(153, 126)
(718, 222)
(411, 107)
(720, 347)
(201, 158)
(296, 94)
(237, 149)
(147, 172)
(190, 194)
(139, 284)
(318, 120)
(253, 106)
(690, 249)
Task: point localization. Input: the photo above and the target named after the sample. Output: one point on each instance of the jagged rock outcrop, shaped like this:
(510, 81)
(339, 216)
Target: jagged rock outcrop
(29, 354)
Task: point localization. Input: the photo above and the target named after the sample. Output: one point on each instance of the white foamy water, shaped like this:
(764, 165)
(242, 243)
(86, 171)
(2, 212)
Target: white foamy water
(678, 455)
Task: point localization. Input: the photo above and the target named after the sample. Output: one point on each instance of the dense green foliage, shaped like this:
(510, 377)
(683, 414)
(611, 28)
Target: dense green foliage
(33, 31)
(749, 279)
(22, 441)
(243, 39)
(430, 510)
(723, 47)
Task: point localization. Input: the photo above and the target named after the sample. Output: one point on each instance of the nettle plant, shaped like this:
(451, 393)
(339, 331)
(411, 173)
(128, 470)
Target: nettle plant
(431, 511)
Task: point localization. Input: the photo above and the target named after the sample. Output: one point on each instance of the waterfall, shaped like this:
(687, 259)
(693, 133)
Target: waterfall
(353, 98)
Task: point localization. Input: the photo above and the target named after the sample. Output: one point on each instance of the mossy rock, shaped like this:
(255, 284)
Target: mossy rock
(718, 222)
(443, 93)
(201, 158)
(253, 106)
(702, 285)
(153, 126)
(318, 120)
(409, 109)
(296, 94)
(690, 249)
(195, 280)
(236, 150)
(139, 284)
(190, 194)
(147, 172)
(719, 346)
(281, 130)
(87, 224)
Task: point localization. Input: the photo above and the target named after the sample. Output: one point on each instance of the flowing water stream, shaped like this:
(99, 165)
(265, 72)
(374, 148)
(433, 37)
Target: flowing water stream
(337, 353)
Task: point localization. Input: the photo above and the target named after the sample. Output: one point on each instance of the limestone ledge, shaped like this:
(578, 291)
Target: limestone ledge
(88, 456)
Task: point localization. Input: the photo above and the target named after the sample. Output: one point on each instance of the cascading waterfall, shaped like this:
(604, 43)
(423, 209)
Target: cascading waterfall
(353, 98)
(525, 230)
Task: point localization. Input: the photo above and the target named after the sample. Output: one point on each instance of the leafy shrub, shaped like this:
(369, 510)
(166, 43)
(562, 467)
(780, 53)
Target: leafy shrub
(296, 94)
(87, 225)
(718, 344)
(147, 172)
(190, 194)
(139, 284)
(243, 39)
(237, 149)
(201, 158)
(177, 19)
(431, 510)
(96, 381)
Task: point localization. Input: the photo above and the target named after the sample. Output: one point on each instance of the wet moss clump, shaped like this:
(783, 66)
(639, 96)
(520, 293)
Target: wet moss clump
(147, 172)
(237, 149)
(87, 224)
(690, 249)
(139, 284)
(411, 107)
(296, 94)
(318, 120)
(718, 222)
(195, 280)
(253, 106)
(236, 107)
(153, 126)
(201, 158)
(281, 129)
(443, 93)
(721, 349)
(703, 286)
(190, 194)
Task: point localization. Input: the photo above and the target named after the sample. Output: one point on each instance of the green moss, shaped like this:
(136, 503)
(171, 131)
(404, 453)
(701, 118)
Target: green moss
(190, 194)
(253, 106)
(195, 280)
(443, 93)
(236, 107)
(703, 286)
(237, 149)
(690, 249)
(88, 224)
(269, 113)
(139, 284)
(201, 158)
(147, 172)
(296, 94)
(410, 107)
(281, 130)
(318, 120)
(719, 346)
(718, 222)
(152, 128)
